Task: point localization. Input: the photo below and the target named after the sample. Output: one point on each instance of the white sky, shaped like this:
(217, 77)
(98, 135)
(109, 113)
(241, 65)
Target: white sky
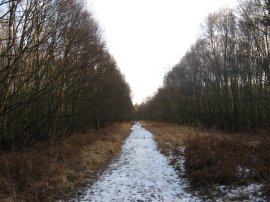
(148, 37)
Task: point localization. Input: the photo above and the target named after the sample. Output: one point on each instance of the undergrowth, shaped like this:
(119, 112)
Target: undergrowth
(216, 158)
(227, 160)
(58, 169)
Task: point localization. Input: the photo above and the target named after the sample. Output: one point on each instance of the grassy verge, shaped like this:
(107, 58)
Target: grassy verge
(216, 158)
(58, 169)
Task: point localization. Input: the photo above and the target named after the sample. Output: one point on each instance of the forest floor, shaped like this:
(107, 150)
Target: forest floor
(58, 169)
(155, 162)
(218, 166)
(150, 171)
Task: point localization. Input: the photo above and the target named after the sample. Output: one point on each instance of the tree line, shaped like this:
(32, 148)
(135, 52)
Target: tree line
(56, 75)
(223, 80)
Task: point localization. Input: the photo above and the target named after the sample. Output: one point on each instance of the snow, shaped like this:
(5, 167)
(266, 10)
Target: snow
(245, 193)
(179, 163)
(141, 173)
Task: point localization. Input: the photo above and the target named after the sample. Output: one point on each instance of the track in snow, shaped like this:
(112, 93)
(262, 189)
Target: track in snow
(141, 173)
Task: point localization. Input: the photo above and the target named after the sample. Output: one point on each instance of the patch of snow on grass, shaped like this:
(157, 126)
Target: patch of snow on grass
(244, 193)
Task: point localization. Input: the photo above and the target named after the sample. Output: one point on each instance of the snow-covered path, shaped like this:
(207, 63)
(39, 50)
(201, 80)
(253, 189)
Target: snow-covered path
(141, 173)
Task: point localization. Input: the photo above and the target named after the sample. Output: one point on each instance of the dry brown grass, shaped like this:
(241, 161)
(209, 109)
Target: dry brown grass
(169, 137)
(58, 169)
(216, 158)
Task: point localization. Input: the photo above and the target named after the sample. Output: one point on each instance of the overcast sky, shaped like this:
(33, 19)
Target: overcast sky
(148, 37)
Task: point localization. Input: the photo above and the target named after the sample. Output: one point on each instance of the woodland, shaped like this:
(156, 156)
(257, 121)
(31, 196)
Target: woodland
(66, 109)
(223, 81)
(56, 75)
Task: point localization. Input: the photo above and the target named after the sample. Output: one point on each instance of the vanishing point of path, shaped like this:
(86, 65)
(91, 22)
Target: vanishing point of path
(140, 174)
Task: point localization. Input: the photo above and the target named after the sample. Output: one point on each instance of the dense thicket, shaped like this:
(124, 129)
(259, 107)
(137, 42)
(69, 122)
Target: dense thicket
(56, 76)
(224, 79)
